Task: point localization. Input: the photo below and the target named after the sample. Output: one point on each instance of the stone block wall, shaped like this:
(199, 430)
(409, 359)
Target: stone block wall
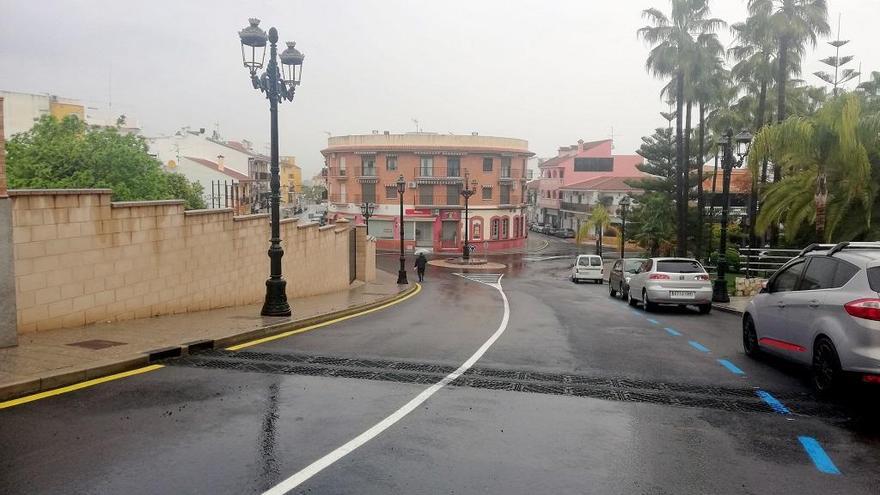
(748, 287)
(80, 258)
(366, 251)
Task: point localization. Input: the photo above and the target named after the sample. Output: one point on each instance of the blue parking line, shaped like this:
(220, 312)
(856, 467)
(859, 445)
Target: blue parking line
(817, 454)
(772, 402)
(673, 332)
(698, 346)
(731, 367)
(653, 321)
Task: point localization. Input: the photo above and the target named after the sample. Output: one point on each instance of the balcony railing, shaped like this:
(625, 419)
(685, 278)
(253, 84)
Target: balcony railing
(366, 171)
(439, 199)
(578, 207)
(355, 199)
(508, 173)
(338, 173)
(438, 171)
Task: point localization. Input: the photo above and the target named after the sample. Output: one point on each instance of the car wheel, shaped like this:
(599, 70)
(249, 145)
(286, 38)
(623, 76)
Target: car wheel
(826, 367)
(705, 308)
(630, 299)
(750, 337)
(611, 291)
(649, 306)
(600, 281)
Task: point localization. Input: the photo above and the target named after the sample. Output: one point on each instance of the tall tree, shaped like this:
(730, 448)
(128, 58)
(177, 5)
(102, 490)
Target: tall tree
(67, 154)
(658, 150)
(794, 23)
(827, 168)
(674, 38)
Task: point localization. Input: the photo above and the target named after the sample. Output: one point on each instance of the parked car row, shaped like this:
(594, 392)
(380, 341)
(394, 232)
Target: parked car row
(821, 309)
(550, 230)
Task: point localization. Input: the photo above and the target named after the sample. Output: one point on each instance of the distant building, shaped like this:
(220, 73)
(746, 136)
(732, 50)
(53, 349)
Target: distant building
(24, 109)
(740, 191)
(575, 164)
(579, 199)
(242, 169)
(365, 168)
(291, 179)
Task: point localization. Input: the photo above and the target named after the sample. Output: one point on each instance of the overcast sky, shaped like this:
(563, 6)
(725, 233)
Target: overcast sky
(547, 71)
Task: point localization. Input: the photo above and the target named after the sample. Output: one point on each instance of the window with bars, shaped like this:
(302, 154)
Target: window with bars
(505, 167)
(391, 162)
(505, 228)
(495, 228)
(487, 193)
(390, 192)
(487, 164)
(426, 194)
(368, 166)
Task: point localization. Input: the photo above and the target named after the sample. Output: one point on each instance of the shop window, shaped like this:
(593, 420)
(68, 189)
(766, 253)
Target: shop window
(495, 228)
(477, 230)
(505, 228)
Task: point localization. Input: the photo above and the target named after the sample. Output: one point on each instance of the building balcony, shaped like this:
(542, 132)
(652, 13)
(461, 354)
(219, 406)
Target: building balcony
(338, 173)
(548, 203)
(438, 175)
(575, 207)
(508, 174)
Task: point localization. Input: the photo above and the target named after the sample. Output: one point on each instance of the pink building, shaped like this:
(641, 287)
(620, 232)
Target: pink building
(573, 165)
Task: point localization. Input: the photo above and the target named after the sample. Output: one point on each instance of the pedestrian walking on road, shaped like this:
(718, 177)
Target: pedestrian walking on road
(421, 263)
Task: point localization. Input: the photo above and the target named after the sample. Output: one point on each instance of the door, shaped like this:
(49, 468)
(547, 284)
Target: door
(424, 234)
(449, 234)
(615, 278)
(637, 282)
(772, 315)
(814, 299)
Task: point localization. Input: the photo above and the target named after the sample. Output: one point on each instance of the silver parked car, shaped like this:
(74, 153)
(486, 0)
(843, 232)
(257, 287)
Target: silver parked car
(620, 275)
(822, 309)
(679, 281)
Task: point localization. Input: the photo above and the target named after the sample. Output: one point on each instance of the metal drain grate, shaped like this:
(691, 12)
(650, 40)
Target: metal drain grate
(566, 384)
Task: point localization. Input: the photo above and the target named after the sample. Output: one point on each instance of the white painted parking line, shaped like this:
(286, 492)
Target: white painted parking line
(326, 461)
(483, 278)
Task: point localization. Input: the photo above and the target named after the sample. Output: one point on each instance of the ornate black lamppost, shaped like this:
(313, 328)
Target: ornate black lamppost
(401, 274)
(277, 84)
(367, 210)
(624, 204)
(467, 192)
(742, 140)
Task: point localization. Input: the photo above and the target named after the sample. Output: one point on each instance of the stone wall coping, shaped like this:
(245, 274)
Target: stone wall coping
(57, 192)
(208, 211)
(307, 225)
(288, 220)
(327, 227)
(253, 216)
(159, 202)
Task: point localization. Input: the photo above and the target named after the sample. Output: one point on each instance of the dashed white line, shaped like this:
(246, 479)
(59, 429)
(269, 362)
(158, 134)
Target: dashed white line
(326, 461)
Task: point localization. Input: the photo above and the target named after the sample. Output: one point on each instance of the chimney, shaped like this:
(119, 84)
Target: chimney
(2, 154)
(562, 150)
(220, 165)
(375, 131)
(580, 145)
(387, 133)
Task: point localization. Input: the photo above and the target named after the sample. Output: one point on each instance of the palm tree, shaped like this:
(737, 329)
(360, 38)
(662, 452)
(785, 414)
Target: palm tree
(674, 38)
(707, 79)
(794, 23)
(871, 87)
(599, 220)
(827, 168)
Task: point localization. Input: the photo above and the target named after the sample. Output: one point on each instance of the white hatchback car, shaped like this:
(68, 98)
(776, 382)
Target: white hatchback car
(587, 267)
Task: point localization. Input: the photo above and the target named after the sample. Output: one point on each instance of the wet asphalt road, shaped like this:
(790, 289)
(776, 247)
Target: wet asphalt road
(580, 394)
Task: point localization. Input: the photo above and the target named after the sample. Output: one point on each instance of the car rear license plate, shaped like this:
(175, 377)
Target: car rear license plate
(681, 294)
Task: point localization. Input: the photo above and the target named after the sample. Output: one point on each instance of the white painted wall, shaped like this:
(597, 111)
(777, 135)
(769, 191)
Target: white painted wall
(197, 145)
(21, 110)
(197, 172)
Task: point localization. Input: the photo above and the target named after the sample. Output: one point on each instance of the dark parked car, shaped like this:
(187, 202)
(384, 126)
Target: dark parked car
(564, 233)
(621, 272)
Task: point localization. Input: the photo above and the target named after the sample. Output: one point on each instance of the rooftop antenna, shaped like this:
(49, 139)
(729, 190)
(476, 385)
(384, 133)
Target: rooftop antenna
(328, 133)
(416, 122)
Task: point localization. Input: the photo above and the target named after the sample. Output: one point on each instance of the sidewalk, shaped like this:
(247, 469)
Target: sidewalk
(737, 305)
(56, 358)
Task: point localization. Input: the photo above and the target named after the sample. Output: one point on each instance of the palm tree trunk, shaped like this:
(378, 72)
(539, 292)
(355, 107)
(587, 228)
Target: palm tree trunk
(821, 199)
(681, 233)
(700, 161)
(781, 76)
(687, 170)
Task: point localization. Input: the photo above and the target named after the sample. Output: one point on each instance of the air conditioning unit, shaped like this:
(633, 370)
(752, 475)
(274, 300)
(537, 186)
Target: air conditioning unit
(413, 185)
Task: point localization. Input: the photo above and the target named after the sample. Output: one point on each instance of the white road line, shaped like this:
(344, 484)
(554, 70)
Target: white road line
(548, 258)
(326, 461)
(483, 278)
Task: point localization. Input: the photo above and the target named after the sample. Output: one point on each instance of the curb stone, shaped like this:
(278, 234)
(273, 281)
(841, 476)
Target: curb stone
(73, 375)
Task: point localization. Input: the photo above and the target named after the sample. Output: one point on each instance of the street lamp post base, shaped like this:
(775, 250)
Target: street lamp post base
(719, 291)
(276, 299)
(401, 278)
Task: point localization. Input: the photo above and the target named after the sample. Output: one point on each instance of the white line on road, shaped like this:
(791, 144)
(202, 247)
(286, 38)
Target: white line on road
(326, 461)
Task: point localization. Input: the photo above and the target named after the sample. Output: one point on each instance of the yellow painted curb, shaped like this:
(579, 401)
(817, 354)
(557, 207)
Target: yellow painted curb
(403, 296)
(77, 386)
(407, 295)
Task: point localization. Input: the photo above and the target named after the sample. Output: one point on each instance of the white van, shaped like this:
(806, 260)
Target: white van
(587, 267)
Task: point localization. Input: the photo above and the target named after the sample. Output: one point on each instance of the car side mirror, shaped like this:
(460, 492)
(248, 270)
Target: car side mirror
(765, 289)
